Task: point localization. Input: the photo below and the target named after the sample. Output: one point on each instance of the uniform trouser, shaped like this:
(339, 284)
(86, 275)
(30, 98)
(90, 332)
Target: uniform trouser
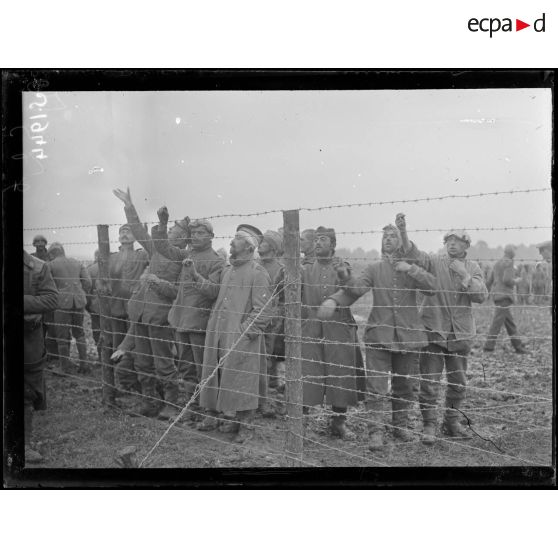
(154, 360)
(34, 386)
(49, 333)
(190, 345)
(432, 361)
(96, 331)
(502, 317)
(379, 364)
(69, 323)
(113, 333)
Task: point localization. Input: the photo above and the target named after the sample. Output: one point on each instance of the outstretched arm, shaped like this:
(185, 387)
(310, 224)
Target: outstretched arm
(161, 241)
(132, 217)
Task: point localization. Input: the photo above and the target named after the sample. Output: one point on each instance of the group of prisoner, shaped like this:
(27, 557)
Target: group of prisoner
(176, 313)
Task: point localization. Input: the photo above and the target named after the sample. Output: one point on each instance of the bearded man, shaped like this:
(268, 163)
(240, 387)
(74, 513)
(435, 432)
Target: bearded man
(234, 379)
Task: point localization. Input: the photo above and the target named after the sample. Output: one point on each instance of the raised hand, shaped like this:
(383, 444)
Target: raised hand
(163, 214)
(124, 197)
(400, 222)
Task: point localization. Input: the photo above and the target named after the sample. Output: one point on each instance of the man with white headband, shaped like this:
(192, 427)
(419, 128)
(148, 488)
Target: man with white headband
(234, 374)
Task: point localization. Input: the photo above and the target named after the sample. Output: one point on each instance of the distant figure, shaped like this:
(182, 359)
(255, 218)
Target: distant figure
(540, 283)
(72, 281)
(524, 284)
(39, 296)
(40, 244)
(504, 281)
(545, 250)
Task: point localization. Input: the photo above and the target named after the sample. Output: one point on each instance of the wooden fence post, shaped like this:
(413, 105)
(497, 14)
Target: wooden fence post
(293, 388)
(108, 384)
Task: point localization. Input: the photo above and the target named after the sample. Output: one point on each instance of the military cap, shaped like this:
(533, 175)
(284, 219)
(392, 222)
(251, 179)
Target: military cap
(546, 244)
(39, 238)
(252, 231)
(329, 232)
(275, 240)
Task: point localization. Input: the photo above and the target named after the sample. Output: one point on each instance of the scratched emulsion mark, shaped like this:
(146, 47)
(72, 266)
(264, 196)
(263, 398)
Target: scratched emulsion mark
(38, 125)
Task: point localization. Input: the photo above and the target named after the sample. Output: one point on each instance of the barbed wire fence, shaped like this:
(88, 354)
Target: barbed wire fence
(297, 435)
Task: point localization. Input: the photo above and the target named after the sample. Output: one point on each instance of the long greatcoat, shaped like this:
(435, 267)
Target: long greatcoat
(332, 362)
(243, 291)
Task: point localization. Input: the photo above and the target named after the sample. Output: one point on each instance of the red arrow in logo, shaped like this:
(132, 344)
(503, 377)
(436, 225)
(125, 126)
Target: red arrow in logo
(519, 25)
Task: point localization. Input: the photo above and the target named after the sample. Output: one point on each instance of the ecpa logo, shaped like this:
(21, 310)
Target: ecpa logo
(494, 24)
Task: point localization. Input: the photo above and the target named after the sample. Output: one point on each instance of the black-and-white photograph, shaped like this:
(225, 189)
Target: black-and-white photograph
(274, 278)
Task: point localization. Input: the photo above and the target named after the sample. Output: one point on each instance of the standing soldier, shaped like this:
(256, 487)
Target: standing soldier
(191, 308)
(450, 326)
(49, 332)
(269, 250)
(39, 296)
(234, 377)
(72, 281)
(308, 246)
(394, 333)
(524, 284)
(125, 268)
(503, 279)
(92, 305)
(331, 354)
(149, 308)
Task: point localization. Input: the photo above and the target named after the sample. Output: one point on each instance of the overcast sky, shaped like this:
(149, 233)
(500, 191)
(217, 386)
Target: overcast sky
(211, 153)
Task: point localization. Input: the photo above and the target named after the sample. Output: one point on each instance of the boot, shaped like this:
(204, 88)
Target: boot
(338, 427)
(429, 425)
(150, 408)
(375, 407)
(267, 410)
(83, 360)
(65, 364)
(454, 429)
(210, 422)
(271, 373)
(171, 409)
(400, 420)
(245, 427)
(230, 424)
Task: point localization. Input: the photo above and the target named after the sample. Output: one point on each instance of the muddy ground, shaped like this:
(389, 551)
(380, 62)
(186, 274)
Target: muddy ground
(509, 406)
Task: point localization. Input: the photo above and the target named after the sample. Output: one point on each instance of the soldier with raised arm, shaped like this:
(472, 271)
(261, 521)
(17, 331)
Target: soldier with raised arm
(394, 334)
(450, 326)
(191, 308)
(148, 308)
